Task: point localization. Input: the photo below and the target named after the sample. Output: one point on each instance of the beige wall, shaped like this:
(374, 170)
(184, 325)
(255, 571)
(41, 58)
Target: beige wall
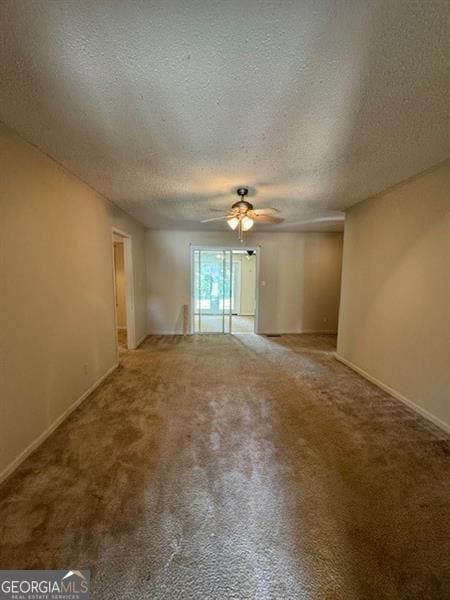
(301, 273)
(56, 279)
(395, 305)
(248, 283)
(119, 272)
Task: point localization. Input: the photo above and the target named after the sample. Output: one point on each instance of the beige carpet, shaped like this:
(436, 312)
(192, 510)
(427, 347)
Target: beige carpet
(223, 467)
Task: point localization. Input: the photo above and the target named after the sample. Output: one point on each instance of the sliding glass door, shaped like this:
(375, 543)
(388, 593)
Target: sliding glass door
(212, 287)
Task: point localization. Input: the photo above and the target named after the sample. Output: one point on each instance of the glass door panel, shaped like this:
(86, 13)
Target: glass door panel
(212, 291)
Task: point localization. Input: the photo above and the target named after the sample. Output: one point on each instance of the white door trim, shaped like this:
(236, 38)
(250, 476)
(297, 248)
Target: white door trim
(129, 283)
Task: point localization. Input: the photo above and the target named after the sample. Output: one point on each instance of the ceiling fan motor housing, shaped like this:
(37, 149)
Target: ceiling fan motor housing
(243, 205)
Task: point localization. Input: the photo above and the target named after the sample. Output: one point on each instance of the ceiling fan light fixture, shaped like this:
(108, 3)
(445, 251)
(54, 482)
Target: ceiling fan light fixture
(242, 215)
(233, 222)
(247, 223)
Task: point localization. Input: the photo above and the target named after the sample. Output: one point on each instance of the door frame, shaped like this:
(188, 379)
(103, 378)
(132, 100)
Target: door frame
(129, 286)
(212, 247)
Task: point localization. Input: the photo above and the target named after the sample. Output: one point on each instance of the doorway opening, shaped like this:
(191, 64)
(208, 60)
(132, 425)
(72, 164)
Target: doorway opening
(224, 290)
(123, 291)
(120, 292)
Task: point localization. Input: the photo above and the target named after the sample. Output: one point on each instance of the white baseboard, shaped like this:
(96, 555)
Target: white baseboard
(44, 435)
(320, 331)
(162, 333)
(386, 388)
(314, 331)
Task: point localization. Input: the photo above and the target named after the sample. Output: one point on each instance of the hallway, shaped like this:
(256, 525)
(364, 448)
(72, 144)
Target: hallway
(219, 467)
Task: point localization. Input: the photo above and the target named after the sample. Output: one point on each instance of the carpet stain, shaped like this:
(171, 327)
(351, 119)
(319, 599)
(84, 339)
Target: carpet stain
(237, 467)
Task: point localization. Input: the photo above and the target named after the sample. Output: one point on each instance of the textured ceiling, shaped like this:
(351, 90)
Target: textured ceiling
(166, 107)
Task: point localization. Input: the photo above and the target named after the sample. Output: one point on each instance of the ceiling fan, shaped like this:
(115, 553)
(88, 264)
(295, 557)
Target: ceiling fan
(242, 215)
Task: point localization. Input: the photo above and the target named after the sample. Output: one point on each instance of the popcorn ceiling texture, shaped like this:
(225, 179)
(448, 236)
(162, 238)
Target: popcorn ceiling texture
(237, 468)
(166, 107)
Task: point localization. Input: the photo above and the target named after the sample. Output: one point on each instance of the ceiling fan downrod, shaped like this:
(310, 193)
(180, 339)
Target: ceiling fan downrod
(243, 206)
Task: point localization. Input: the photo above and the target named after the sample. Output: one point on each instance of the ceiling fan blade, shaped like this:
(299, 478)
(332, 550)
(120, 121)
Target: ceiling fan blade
(265, 211)
(334, 219)
(215, 219)
(266, 219)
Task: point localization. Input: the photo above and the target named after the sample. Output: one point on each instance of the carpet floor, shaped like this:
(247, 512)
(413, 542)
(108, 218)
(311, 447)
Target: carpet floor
(237, 467)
